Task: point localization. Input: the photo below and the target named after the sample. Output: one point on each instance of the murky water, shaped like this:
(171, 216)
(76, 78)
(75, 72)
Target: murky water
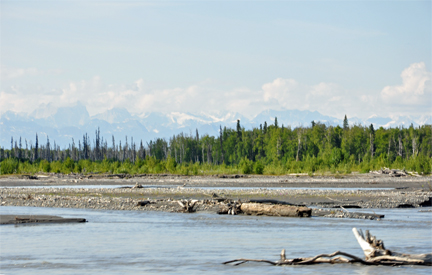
(130, 242)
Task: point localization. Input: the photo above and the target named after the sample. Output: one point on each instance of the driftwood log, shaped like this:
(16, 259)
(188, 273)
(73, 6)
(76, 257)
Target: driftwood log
(188, 205)
(274, 202)
(395, 172)
(275, 210)
(373, 249)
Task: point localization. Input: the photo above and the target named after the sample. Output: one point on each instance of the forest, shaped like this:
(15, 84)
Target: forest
(270, 149)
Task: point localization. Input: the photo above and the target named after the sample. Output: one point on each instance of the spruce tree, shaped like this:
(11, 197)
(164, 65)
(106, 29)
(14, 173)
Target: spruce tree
(238, 130)
(345, 123)
(221, 143)
(372, 139)
(36, 148)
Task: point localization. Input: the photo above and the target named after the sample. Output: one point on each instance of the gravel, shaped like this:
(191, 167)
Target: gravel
(165, 199)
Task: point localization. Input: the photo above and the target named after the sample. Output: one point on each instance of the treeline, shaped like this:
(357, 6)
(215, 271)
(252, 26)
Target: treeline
(269, 149)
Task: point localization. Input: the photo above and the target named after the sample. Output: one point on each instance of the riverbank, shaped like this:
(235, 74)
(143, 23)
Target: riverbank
(162, 193)
(353, 180)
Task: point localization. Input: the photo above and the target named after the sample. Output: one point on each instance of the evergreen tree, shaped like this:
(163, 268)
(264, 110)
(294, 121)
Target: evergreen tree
(276, 123)
(372, 139)
(20, 156)
(345, 123)
(221, 142)
(48, 150)
(239, 134)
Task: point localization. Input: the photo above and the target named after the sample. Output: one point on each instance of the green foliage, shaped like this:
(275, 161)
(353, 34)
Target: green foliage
(258, 167)
(8, 166)
(271, 149)
(45, 166)
(68, 166)
(336, 156)
(246, 166)
(171, 165)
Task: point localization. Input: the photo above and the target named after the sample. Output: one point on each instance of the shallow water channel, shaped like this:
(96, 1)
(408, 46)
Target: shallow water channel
(130, 242)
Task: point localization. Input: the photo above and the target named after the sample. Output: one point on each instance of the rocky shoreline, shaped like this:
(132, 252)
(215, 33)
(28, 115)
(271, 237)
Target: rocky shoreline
(163, 193)
(370, 180)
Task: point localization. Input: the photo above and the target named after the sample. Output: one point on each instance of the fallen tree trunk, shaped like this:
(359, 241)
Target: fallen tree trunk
(275, 210)
(373, 249)
(274, 202)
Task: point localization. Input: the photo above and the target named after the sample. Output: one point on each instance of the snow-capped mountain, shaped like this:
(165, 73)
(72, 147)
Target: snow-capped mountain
(294, 118)
(115, 115)
(73, 122)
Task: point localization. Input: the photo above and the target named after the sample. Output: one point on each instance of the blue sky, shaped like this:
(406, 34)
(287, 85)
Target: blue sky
(358, 58)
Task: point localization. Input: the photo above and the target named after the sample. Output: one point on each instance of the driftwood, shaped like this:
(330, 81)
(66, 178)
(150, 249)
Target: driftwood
(395, 172)
(143, 203)
(373, 249)
(188, 205)
(274, 202)
(232, 208)
(275, 210)
(137, 185)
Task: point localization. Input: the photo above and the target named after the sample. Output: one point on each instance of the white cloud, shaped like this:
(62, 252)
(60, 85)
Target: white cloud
(414, 95)
(326, 98)
(200, 98)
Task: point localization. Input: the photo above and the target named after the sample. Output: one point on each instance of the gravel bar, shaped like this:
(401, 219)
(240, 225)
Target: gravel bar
(165, 199)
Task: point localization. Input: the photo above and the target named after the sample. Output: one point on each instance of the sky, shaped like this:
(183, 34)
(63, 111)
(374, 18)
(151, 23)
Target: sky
(359, 58)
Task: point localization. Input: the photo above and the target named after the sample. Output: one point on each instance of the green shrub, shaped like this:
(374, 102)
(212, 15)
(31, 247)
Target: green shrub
(8, 166)
(258, 167)
(246, 166)
(68, 165)
(336, 156)
(171, 165)
(45, 166)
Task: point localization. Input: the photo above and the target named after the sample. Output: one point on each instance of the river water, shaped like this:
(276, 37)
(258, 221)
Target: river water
(135, 242)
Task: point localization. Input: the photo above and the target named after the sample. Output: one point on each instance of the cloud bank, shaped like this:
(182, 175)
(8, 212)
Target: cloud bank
(415, 92)
(412, 97)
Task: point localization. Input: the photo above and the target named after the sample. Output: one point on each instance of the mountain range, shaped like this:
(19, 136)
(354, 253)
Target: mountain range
(67, 123)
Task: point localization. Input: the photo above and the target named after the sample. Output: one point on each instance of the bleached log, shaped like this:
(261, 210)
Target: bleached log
(275, 210)
(375, 251)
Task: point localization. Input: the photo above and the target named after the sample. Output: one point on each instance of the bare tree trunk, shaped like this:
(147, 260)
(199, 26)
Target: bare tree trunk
(400, 151)
(298, 146)
(414, 147)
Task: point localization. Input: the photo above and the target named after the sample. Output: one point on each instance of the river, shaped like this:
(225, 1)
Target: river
(135, 242)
